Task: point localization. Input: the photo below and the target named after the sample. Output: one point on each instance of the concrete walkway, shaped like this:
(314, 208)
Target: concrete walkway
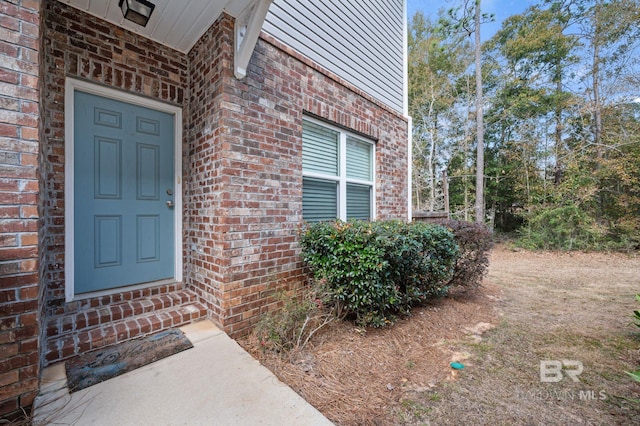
(214, 383)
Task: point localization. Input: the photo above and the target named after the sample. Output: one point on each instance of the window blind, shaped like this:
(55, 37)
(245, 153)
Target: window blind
(358, 159)
(319, 200)
(358, 201)
(319, 149)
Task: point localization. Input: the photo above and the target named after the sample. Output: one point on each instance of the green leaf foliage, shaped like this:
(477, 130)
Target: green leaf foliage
(561, 228)
(375, 270)
(635, 375)
(561, 121)
(636, 313)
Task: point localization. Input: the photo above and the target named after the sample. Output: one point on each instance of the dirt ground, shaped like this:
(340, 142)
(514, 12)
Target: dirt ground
(558, 307)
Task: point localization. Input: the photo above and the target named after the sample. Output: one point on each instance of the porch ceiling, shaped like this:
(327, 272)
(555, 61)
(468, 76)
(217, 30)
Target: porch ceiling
(177, 24)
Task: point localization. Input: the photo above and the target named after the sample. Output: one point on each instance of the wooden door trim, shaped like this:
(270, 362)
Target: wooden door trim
(71, 86)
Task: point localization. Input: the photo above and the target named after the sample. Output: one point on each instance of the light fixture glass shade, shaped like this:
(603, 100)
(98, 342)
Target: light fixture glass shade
(138, 11)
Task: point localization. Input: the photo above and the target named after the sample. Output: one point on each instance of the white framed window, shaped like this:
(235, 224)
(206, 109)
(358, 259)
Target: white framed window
(338, 178)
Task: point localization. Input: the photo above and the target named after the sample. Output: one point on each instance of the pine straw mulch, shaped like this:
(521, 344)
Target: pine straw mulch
(364, 376)
(544, 306)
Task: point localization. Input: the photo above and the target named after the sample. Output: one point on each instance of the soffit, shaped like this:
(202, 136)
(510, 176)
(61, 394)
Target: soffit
(175, 23)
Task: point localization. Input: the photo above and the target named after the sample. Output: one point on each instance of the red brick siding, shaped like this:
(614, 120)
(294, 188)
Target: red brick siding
(79, 45)
(19, 132)
(241, 152)
(204, 180)
(245, 195)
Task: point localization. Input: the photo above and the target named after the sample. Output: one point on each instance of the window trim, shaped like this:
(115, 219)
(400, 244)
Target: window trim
(342, 178)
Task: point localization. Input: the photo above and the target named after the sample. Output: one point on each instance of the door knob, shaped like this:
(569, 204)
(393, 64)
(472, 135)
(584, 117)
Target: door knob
(169, 203)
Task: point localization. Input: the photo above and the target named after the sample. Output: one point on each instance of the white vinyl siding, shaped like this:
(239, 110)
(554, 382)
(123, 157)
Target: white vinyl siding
(361, 41)
(338, 177)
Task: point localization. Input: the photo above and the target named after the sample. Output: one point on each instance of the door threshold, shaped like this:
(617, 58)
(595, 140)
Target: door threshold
(91, 295)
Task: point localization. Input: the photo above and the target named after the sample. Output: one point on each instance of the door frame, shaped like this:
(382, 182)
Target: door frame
(71, 86)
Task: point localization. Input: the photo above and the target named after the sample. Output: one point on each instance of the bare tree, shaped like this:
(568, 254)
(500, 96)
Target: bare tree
(467, 19)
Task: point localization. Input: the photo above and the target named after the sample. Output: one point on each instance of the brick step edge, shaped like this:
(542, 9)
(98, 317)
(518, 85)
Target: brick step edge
(92, 317)
(121, 296)
(59, 348)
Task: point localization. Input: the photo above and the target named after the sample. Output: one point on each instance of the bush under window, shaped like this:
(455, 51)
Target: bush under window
(375, 270)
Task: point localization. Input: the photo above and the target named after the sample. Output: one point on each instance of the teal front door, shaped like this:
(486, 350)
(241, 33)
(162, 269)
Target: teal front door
(123, 194)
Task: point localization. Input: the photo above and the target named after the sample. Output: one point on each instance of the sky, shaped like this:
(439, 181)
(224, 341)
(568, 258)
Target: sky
(502, 9)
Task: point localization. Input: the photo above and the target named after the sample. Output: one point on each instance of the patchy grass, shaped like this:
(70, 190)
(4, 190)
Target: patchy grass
(553, 307)
(533, 307)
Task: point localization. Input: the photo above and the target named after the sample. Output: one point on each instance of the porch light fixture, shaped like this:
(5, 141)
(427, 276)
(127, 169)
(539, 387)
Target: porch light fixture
(138, 11)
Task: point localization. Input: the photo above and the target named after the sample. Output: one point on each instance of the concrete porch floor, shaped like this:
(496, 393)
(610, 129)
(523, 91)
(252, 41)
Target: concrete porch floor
(214, 383)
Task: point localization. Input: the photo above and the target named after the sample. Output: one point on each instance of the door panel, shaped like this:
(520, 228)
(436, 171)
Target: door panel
(107, 241)
(148, 238)
(148, 171)
(107, 168)
(123, 174)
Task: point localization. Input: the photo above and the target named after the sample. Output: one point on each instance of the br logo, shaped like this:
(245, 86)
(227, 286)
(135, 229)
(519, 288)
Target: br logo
(551, 371)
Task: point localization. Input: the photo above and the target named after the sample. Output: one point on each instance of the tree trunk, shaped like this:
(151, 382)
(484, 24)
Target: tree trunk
(558, 136)
(445, 189)
(479, 121)
(432, 168)
(467, 137)
(597, 113)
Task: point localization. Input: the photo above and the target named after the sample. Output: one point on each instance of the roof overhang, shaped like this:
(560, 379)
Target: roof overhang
(180, 24)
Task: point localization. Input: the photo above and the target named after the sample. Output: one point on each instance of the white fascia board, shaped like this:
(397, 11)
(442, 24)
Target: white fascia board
(247, 30)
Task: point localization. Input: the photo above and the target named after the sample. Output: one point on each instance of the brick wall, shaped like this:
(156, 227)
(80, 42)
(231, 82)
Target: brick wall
(243, 193)
(204, 181)
(242, 152)
(244, 198)
(79, 45)
(19, 132)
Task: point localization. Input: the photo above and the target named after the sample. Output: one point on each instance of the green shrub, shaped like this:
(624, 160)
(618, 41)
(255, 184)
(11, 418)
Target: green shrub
(560, 228)
(636, 316)
(420, 257)
(636, 313)
(623, 235)
(373, 270)
(475, 241)
(348, 260)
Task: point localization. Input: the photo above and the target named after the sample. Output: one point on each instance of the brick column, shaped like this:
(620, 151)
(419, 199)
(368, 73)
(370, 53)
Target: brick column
(19, 147)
